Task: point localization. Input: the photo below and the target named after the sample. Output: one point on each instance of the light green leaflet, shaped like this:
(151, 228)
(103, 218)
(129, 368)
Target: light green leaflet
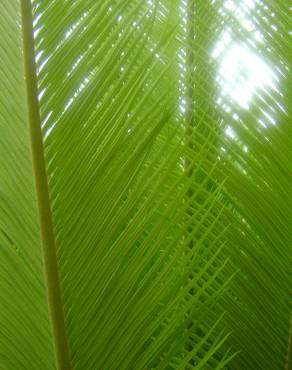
(145, 184)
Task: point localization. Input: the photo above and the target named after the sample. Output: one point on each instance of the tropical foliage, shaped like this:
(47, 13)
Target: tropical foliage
(145, 184)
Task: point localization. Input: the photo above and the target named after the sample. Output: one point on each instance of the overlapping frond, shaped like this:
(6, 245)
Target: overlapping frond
(253, 61)
(137, 252)
(168, 153)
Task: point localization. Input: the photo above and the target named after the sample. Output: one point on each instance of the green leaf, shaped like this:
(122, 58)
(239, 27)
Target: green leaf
(145, 192)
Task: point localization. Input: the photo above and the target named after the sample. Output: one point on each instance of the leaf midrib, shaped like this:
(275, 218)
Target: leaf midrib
(48, 244)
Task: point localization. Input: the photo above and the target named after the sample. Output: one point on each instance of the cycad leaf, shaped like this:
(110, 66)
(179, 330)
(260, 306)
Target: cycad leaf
(124, 288)
(145, 160)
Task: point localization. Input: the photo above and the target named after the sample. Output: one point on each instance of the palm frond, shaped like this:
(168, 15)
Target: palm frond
(145, 202)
